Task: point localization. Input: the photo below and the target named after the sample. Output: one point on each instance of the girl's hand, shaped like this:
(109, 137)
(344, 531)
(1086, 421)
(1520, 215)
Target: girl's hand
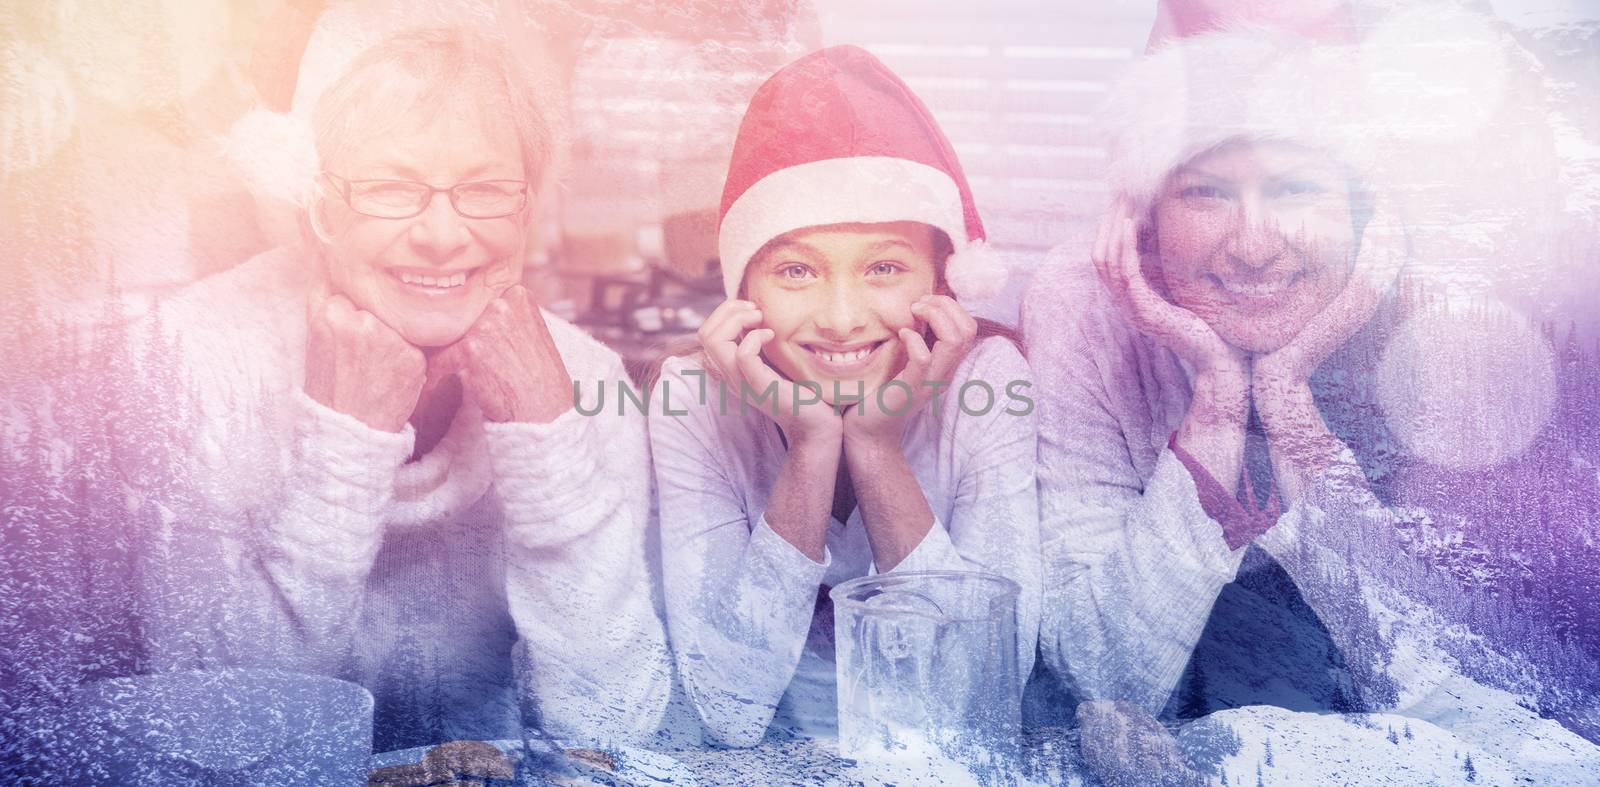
(803, 421)
(508, 362)
(802, 495)
(1116, 260)
(733, 344)
(359, 366)
(721, 333)
(880, 419)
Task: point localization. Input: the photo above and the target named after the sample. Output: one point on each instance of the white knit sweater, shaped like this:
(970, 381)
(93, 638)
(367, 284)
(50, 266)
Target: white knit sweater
(509, 555)
(741, 600)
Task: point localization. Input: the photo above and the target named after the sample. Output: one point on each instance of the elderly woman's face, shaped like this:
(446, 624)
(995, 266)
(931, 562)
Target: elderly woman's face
(428, 277)
(1256, 239)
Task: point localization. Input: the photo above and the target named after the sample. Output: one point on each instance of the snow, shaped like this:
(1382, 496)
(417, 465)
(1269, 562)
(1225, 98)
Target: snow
(1450, 717)
(1311, 748)
(1480, 718)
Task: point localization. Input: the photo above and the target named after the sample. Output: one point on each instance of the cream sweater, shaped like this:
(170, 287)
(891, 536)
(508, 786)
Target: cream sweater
(509, 556)
(753, 645)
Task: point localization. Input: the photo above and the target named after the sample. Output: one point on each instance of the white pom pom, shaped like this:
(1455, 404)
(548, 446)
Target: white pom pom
(975, 272)
(276, 155)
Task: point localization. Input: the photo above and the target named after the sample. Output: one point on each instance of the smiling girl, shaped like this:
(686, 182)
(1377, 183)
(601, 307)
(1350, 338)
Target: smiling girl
(846, 222)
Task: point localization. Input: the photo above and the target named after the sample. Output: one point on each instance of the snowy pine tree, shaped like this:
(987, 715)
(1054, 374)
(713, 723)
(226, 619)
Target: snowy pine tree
(1195, 702)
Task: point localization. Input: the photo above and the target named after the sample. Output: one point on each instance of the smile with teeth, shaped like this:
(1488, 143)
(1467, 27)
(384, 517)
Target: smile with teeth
(843, 357)
(435, 282)
(1256, 289)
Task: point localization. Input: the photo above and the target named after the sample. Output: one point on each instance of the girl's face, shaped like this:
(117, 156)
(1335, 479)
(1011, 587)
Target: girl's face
(1255, 238)
(836, 297)
(428, 277)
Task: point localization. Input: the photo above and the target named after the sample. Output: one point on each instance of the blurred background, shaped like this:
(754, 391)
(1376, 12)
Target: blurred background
(1014, 85)
(117, 175)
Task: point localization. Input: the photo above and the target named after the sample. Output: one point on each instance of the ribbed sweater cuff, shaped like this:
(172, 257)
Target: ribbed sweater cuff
(344, 462)
(553, 477)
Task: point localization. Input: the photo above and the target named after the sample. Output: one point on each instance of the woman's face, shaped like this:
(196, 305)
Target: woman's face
(836, 297)
(428, 277)
(1256, 239)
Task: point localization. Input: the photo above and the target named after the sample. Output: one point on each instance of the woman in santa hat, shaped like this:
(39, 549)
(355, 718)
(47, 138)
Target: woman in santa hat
(844, 414)
(394, 485)
(1207, 425)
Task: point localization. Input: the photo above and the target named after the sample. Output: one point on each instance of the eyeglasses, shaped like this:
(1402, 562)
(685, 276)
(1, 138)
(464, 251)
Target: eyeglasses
(403, 199)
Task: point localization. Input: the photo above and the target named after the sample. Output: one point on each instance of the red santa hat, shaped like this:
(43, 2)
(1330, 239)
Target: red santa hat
(1217, 71)
(835, 137)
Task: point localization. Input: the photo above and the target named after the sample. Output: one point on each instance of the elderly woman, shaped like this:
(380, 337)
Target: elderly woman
(393, 484)
(1210, 536)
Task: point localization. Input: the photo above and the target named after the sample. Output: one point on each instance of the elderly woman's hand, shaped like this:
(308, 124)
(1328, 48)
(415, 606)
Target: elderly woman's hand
(508, 362)
(357, 365)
